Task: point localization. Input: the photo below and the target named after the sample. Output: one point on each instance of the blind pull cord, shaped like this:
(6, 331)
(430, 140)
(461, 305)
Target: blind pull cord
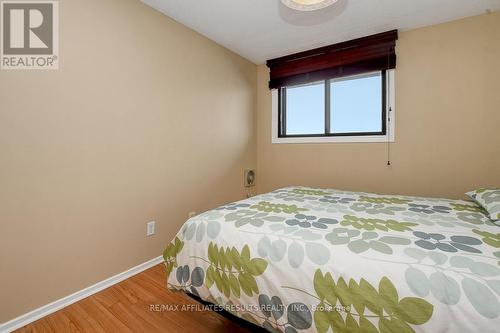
(389, 116)
(389, 137)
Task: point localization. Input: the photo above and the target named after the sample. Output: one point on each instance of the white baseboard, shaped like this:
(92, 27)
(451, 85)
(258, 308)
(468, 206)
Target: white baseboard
(45, 310)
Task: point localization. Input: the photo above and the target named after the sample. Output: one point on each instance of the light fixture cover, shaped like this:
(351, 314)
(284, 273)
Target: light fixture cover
(308, 5)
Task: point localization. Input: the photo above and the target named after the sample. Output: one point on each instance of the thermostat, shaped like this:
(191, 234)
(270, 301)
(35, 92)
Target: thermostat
(249, 178)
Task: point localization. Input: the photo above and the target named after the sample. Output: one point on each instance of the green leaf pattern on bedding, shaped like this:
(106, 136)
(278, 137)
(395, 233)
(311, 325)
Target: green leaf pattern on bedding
(265, 206)
(489, 200)
(382, 200)
(233, 271)
(170, 254)
(373, 224)
(489, 238)
(333, 261)
(362, 301)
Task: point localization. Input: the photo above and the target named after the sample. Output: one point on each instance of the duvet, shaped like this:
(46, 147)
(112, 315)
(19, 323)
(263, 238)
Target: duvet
(318, 260)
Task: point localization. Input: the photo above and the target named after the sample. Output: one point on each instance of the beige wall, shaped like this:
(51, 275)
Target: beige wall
(144, 120)
(147, 120)
(447, 126)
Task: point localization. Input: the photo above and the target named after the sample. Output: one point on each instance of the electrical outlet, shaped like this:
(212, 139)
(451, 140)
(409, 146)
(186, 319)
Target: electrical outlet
(191, 214)
(150, 228)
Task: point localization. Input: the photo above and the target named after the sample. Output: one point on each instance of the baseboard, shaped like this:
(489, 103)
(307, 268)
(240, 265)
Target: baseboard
(65, 301)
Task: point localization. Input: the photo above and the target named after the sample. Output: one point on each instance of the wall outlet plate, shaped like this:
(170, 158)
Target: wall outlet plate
(150, 228)
(249, 179)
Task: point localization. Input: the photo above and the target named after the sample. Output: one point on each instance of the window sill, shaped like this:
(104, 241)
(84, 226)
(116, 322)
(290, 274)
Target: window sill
(336, 139)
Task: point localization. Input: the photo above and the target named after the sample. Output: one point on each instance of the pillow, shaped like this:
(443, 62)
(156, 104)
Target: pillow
(489, 199)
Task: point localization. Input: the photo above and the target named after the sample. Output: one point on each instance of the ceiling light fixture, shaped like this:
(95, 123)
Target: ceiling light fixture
(308, 5)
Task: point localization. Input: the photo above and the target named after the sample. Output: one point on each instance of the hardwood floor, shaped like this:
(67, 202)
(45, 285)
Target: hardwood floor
(125, 308)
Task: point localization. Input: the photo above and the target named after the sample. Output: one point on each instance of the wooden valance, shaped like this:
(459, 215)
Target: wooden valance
(366, 54)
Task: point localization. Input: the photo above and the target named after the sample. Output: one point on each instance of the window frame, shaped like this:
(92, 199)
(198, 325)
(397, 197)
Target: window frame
(327, 130)
(388, 117)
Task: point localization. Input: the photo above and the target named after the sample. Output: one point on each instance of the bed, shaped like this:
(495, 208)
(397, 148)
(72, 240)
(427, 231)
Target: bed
(319, 260)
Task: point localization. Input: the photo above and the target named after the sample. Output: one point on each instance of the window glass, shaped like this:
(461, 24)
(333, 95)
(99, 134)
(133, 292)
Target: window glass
(356, 104)
(305, 109)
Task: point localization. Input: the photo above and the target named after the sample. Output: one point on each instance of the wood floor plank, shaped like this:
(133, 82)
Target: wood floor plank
(81, 319)
(130, 319)
(127, 307)
(40, 327)
(103, 316)
(59, 322)
(158, 275)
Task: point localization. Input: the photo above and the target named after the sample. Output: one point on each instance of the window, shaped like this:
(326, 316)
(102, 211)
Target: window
(357, 105)
(305, 109)
(337, 93)
(354, 108)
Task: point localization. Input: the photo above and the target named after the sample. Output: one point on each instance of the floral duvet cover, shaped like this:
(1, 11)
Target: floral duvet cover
(318, 260)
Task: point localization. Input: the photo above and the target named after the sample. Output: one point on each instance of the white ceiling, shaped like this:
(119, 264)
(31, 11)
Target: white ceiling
(264, 29)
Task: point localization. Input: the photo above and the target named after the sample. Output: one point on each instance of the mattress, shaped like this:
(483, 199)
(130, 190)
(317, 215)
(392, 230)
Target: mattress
(319, 260)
